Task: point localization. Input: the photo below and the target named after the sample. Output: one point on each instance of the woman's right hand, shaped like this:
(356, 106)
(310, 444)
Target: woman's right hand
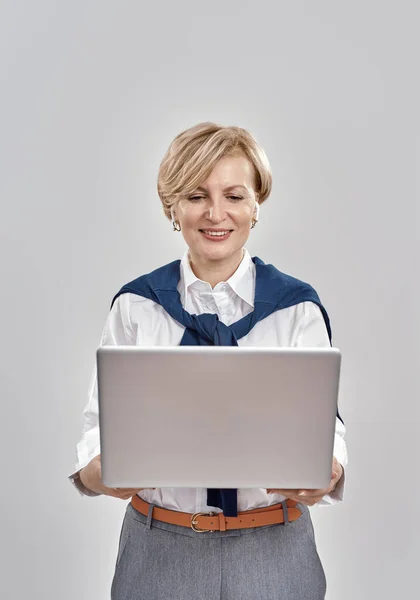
(91, 477)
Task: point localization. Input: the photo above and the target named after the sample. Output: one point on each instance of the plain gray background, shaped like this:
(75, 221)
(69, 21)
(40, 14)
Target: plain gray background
(92, 93)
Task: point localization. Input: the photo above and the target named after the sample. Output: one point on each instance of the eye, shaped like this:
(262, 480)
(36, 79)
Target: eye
(197, 198)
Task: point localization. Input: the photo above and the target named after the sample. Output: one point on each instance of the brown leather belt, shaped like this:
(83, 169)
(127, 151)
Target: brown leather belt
(211, 521)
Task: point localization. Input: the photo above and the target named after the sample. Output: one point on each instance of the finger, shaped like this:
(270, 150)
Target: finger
(303, 493)
(132, 489)
(115, 492)
(111, 492)
(118, 492)
(125, 493)
(310, 494)
(309, 501)
(308, 497)
(282, 491)
(317, 493)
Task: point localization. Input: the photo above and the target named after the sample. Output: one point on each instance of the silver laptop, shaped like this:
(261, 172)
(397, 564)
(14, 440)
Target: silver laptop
(217, 416)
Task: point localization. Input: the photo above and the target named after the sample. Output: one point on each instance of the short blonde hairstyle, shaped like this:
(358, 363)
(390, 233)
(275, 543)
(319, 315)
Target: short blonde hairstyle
(193, 154)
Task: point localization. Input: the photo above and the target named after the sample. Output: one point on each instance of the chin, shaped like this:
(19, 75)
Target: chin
(219, 253)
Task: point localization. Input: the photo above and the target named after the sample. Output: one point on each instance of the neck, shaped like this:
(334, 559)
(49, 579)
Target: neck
(217, 270)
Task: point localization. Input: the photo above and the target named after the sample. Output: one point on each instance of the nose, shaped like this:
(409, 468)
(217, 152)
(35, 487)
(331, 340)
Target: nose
(216, 211)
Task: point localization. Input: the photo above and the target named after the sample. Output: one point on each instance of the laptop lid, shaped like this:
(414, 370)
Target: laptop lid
(217, 416)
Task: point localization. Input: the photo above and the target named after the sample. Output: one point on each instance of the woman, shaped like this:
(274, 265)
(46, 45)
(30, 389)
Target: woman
(211, 183)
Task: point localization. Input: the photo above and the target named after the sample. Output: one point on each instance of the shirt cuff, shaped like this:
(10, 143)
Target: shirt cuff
(340, 453)
(82, 489)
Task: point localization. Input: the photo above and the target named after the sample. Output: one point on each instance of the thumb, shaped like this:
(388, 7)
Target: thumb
(336, 474)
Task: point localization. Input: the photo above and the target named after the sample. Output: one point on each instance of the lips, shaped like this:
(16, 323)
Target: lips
(216, 235)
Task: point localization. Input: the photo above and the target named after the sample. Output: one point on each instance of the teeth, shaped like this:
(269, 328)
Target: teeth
(215, 233)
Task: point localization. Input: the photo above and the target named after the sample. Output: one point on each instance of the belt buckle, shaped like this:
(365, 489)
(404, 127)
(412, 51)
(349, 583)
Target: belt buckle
(194, 523)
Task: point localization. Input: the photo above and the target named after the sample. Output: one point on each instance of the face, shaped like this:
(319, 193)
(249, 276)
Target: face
(216, 218)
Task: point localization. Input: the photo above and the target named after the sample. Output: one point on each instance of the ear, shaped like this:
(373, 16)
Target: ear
(256, 210)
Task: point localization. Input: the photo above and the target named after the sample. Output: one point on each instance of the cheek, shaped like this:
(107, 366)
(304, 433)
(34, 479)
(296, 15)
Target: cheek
(243, 218)
(189, 228)
(188, 218)
(189, 224)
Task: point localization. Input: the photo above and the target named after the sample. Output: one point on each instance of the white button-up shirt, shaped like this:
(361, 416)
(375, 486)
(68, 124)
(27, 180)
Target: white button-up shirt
(134, 320)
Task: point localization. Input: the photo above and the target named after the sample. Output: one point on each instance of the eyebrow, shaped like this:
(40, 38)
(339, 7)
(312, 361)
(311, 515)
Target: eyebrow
(230, 187)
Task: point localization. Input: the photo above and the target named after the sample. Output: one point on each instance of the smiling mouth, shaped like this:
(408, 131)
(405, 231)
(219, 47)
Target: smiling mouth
(216, 233)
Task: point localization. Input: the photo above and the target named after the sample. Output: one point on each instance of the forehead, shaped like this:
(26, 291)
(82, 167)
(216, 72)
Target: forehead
(231, 171)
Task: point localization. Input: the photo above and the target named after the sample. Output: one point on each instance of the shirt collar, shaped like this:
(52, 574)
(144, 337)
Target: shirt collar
(242, 282)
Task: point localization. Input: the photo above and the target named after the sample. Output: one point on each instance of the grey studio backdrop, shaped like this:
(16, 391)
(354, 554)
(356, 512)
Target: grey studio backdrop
(91, 94)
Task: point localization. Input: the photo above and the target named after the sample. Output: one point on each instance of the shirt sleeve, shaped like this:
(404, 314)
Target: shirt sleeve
(118, 331)
(312, 332)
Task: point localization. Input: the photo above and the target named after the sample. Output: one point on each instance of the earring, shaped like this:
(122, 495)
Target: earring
(257, 211)
(176, 226)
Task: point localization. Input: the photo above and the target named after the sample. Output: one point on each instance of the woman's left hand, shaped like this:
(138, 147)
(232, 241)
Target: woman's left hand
(311, 497)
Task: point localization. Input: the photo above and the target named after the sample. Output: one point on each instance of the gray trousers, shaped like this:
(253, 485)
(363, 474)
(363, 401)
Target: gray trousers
(161, 561)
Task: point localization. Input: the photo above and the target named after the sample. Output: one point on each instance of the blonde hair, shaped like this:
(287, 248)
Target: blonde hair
(193, 154)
